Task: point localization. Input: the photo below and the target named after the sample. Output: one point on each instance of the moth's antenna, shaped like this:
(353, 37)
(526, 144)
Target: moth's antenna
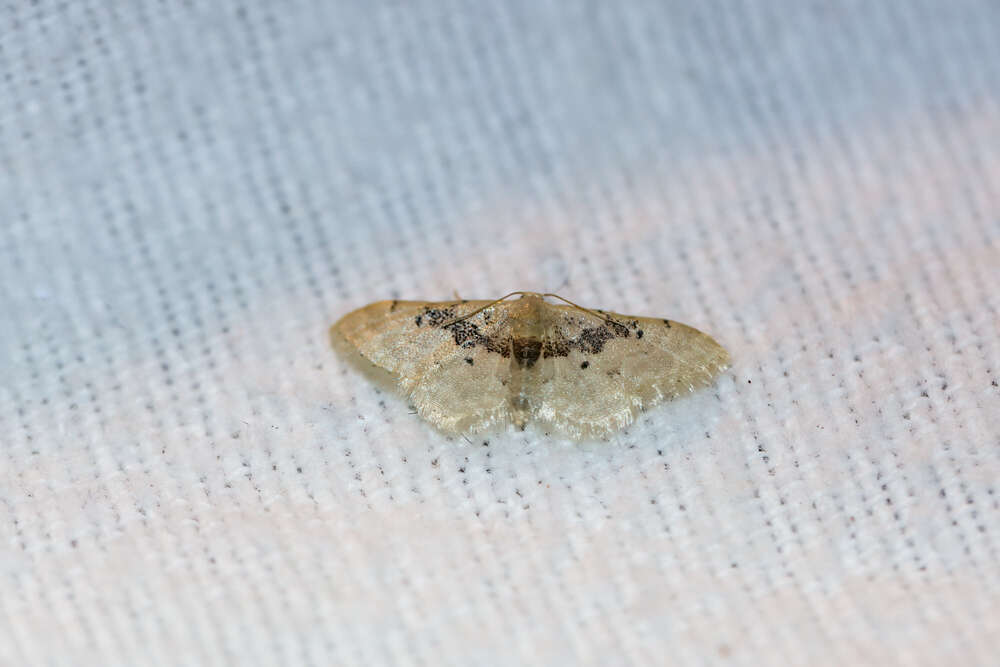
(465, 317)
(579, 307)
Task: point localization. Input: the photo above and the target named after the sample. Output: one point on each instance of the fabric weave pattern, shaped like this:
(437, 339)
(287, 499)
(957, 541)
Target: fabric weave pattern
(191, 193)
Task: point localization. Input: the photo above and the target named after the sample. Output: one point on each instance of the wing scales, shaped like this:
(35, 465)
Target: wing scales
(448, 373)
(596, 389)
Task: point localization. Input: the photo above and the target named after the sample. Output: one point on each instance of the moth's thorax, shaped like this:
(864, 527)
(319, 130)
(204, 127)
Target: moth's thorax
(527, 329)
(527, 316)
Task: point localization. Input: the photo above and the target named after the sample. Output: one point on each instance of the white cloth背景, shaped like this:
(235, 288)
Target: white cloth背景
(192, 193)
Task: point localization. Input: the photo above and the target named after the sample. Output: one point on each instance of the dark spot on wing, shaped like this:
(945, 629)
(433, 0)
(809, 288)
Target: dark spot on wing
(469, 360)
(667, 322)
(555, 346)
(466, 333)
(638, 334)
(438, 316)
(392, 307)
(584, 364)
(591, 340)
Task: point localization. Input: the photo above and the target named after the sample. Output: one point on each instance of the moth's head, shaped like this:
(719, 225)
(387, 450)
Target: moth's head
(527, 314)
(530, 305)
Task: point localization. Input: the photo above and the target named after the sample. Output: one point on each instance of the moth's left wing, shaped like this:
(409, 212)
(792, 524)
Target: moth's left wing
(454, 372)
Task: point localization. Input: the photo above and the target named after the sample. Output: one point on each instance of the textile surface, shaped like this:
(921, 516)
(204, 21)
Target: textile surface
(191, 193)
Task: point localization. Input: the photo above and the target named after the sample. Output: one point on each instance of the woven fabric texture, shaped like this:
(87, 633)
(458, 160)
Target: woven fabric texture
(192, 192)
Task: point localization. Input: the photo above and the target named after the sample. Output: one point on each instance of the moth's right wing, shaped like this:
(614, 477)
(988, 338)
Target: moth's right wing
(602, 372)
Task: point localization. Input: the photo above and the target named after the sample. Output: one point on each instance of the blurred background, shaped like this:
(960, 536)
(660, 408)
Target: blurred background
(191, 193)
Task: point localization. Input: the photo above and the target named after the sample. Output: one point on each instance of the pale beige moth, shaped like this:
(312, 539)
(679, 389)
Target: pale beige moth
(469, 366)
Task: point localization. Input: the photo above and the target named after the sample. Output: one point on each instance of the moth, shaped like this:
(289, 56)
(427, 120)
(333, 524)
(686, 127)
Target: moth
(470, 366)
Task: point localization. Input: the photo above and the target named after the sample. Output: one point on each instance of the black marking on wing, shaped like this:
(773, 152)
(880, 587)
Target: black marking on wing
(590, 340)
(437, 316)
(466, 333)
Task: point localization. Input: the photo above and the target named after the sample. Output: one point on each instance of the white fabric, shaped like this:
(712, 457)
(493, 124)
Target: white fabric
(192, 192)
